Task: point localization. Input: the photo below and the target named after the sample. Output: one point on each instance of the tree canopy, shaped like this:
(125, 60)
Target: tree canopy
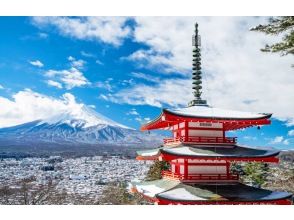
(279, 26)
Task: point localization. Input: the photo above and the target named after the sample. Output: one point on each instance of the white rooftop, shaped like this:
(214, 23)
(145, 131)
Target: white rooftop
(211, 112)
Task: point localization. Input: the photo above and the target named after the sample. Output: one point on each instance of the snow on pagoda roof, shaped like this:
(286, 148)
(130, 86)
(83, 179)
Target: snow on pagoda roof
(205, 111)
(234, 152)
(173, 190)
(181, 192)
(231, 119)
(149, 152)
(151, 188)
(236, 192)
(219, 151)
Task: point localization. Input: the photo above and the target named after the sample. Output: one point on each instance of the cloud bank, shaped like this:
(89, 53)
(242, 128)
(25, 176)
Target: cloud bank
(27, 105)
(236, 74)
(110, 30)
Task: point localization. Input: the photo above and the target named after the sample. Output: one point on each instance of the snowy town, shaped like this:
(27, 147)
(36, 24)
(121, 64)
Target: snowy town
(86, 177)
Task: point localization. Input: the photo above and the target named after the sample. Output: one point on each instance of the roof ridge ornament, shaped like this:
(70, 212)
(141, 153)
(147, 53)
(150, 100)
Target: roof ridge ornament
(197, 82)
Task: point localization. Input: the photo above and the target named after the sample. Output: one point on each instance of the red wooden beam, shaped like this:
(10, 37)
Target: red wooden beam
(270, 159)
(167, 119)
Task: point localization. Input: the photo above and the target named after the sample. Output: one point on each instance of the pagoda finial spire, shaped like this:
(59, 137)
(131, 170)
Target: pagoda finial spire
(197, 82)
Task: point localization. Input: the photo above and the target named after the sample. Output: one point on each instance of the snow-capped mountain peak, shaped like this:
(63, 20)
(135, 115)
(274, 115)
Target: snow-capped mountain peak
(77, 125)
(83, 117)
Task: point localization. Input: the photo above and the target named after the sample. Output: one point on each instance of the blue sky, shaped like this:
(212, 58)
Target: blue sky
(129, 68)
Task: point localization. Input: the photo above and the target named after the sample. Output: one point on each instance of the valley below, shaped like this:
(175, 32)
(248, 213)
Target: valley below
(68, 178)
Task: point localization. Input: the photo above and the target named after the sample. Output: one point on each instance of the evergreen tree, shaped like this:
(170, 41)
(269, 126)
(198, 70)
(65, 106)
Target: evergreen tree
(154, 172)
(256, 172)
(279, 26)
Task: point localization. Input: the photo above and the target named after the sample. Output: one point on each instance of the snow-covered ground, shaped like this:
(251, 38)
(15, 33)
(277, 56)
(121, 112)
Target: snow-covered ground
(85, 176)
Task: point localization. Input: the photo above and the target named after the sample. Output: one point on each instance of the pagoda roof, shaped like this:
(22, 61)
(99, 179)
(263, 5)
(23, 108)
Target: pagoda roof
(210, 152)
(174, 191)
(205, 113)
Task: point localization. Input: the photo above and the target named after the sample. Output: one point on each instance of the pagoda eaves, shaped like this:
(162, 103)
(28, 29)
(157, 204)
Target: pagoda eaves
(231, 120)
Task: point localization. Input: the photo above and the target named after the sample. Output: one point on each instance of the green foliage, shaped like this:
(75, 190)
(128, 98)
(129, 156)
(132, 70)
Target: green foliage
(154, 172)
(256, 172)
(280, 25)
(236, 168)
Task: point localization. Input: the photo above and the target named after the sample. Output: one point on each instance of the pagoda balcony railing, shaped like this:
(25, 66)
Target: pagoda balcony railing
(192, 177)
(197, 139)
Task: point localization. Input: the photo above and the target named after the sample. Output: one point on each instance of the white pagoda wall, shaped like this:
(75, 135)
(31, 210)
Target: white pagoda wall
(205, 125)
(205, 133)
(192, 169)
(198, 129)
(200, 169)
(207, 170)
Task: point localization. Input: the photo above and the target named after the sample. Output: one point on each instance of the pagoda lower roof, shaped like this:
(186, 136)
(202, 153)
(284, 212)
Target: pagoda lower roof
(168, 191)
(210, 152)
(202, 113)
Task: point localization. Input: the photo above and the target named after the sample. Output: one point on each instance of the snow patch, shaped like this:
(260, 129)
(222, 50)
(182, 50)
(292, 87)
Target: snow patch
(180, 193)
(208, 111)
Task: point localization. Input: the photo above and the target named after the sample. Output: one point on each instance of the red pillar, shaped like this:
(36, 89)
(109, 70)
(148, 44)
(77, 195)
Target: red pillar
(186, 130)
(228, 169)
(185, 168)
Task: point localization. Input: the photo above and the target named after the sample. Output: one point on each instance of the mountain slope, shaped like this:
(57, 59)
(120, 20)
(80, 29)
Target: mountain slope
(82, 126)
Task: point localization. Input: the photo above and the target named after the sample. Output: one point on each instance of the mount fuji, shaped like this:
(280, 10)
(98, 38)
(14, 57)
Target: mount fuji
(81, 126)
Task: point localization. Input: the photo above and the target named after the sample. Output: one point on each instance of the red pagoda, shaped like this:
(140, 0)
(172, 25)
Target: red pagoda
(200, 153)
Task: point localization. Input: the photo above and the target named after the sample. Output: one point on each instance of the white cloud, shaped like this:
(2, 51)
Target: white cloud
(104, 97)
(280, 140)
(37, 63)
(26, 106)
(289, 121)
(99, 62)
(69, 77)
(171, 92)
(86, 54)
(145, 76)
(277, 140)
(76, 63)
(236, 75)
(291, 133)
(111, 30)
(104, 85)
(54, 84)
(1, 87)
(70, 58)
(286, 142)
(133, 112)
(139, 119)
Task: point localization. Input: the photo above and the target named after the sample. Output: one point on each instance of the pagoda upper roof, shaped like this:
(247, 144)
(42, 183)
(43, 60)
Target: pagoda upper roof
(167, 190)
(205, 113)
(210, 152)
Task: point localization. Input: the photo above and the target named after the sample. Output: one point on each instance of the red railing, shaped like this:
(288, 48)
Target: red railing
(169, 174)
(195, 139)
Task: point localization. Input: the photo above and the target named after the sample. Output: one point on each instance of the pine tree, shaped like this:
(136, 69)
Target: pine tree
(155, 170)
(256, 172)
(279, 26)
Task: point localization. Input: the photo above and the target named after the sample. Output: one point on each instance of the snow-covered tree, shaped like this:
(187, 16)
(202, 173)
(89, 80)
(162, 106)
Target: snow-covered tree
(279, 26)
